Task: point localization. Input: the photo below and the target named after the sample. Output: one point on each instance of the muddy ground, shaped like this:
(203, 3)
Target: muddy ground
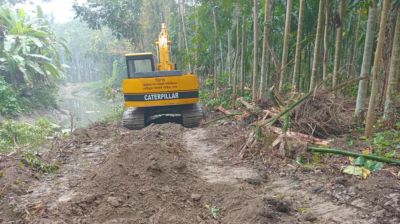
(169, 174)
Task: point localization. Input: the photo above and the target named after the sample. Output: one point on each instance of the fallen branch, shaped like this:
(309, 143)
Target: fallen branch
(223, 110)
(290, 108)
(252, 108)
(300, 136)
(353, 154)
(220, 118)
(344, 84)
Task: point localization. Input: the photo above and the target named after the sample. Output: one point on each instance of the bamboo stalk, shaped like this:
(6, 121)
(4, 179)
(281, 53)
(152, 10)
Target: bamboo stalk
(353, 154)
(290, 108)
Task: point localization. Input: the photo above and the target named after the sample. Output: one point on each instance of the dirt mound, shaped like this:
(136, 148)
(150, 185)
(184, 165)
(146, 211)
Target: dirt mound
(170, 174)
(14, 180)
(141, 180)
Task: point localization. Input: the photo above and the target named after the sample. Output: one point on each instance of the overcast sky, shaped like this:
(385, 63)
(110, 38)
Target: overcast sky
(60, 9)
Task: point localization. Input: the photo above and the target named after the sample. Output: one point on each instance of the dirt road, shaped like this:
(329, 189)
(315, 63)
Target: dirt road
(170, 174)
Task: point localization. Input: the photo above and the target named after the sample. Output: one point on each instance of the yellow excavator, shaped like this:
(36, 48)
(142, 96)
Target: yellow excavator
(153, 90)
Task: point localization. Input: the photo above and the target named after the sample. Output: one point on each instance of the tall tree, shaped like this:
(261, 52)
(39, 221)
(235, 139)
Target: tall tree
(394, 74)
(215, 51)
(326, 44)
(255, 49)
(183, 22)
(376, 69)
(242, 56)
(296, 69)
(354, 50)
(235, 73)
(317, 44)
(338, 44)
(265, 50)
(285, 51)
(366, 63)
(122, 17)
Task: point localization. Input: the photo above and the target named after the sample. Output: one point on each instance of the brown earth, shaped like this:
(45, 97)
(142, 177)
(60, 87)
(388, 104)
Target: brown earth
(169, 174)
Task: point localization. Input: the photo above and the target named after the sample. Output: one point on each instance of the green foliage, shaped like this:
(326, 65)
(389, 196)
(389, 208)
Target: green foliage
(30, 61)
(368, 164)
(32, 160)
(19, 134)
(122, 17)
(114, 115)
(224, 97)
(8, 99)
(114, 81)
(39, 98)
(30, 54)
(386, 140)
(211, 102)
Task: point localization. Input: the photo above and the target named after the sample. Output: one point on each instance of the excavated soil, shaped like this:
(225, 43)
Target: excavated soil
(169, 174)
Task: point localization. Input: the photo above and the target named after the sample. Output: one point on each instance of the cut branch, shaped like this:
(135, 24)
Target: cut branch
(353, 154)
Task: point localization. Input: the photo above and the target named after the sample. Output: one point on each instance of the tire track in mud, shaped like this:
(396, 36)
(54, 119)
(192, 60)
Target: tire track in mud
(306, 205)
(207, 163)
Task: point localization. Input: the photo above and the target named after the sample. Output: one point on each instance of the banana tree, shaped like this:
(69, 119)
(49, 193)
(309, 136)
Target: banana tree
(29, 54)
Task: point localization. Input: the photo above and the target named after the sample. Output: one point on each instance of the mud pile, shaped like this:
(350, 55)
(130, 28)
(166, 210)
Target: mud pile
(144, 179)
(169, 174)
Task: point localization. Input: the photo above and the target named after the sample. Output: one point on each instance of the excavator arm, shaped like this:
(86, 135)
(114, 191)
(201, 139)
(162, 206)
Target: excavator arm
(164, 50)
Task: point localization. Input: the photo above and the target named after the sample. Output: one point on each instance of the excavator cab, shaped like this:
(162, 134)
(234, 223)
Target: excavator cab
(142, 62)
(153, 90)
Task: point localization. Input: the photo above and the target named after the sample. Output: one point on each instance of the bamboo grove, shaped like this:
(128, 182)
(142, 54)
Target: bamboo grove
(245, 48)
(296, 46)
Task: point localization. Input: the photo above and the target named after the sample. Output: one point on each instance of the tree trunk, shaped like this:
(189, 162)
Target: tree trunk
(243, 54)
(255, 50)
(265, 51)
(197, 29)
(235, 72)
(282, 71)
(296, 69)
(338, 44)
(376, 69)
(366, 63)
(182, 12)
(354, 49)
(317, 44)
(215, 93)
(326, 46)
(393, 79)
(228, 55)
(221, 57)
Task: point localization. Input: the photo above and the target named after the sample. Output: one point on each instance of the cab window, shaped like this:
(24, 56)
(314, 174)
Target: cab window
(140, 65)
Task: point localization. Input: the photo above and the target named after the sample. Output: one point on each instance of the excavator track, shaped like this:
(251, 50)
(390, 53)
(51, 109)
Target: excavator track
(192, 115)
(133, 118)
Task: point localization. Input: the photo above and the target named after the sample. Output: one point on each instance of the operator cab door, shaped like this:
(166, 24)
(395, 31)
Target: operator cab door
(138, 64)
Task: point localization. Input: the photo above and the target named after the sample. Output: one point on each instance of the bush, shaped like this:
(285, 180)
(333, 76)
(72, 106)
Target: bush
(13, 134)
(8, 99)
(43, 97)
(114, 115)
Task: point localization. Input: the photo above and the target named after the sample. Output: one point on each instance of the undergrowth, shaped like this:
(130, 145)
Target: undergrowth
(14, 134)
(31, 159)
(224, 95)
(114, 116)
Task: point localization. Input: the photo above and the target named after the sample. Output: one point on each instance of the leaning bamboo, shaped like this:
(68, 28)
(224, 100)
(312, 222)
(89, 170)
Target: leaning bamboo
(353, 154)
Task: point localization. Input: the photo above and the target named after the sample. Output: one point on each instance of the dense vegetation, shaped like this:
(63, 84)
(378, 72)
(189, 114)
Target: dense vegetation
(243, 48)
(30, 63)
